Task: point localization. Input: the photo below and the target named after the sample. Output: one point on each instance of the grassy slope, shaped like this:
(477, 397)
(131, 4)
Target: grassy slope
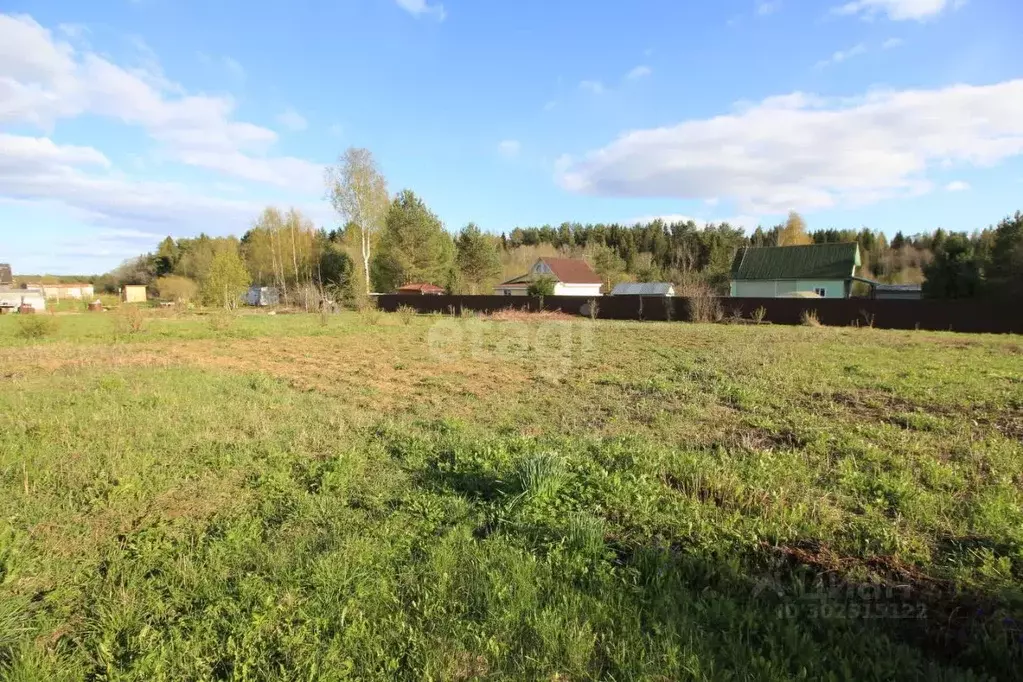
(451, 499)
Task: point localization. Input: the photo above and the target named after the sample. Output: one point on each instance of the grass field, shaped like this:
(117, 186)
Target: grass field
(353, 497)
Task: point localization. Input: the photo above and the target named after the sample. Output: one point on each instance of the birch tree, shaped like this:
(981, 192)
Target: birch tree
(358, 193)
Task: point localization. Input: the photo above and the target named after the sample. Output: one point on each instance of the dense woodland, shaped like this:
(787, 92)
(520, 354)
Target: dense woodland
(389, 240)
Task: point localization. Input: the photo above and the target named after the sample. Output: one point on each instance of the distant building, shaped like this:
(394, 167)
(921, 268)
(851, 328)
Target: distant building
(12, 298)
(572, 277)
(898, 292)
(421, 289)
(133, 293)
(78, 290)
(644, 289)
(827, 270)
(6, 277)
(262, 296)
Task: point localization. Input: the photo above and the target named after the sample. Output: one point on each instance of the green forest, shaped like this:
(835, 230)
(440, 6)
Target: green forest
(385, 241)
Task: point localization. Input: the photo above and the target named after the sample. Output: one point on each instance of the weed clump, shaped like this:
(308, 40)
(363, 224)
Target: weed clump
(33, 327)
(407, 313)
(129, 320)
(540, 477)
(809, 318)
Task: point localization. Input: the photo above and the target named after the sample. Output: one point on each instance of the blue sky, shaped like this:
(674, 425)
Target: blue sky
(122, 121)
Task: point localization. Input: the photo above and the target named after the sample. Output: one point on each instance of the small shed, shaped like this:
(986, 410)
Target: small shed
(262, 296)
(133, 293)
(421, 289)
(644, 289)
(6, 277)
(12, 298)
(898, 292)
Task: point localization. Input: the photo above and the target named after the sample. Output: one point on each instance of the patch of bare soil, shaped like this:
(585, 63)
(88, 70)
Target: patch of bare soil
(512, 315)
(377, 372)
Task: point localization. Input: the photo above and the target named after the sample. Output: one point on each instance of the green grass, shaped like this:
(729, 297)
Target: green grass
(279, 498)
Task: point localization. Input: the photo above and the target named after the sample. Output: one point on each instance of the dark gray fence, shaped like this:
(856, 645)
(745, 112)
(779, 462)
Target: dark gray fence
(965, 315)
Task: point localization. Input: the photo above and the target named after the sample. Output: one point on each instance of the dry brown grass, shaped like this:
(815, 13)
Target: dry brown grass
(512, 315)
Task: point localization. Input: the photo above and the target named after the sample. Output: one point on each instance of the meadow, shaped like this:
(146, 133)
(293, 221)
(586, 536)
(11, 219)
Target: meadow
(393, 497)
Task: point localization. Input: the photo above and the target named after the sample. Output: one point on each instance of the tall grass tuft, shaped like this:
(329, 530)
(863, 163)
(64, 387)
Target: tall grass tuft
(540, 477)
(407, 313)
(221, 320)
(809, 318)
(34, 327)
(759, 314)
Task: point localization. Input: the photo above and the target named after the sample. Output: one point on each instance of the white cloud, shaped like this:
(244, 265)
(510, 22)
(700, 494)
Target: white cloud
(765, 7)
(37, 169)
(43, 80)
(292, 120)
(805, 152)
(842, 55)
(639, 72)
(423, 8)
(24, 154)
(592, 87)
(509, 149)
(899, 10)
(892, 43)
(957, 186)
(122, 217)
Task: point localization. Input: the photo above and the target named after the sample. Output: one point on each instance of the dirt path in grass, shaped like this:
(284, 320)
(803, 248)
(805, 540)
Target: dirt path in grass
(380, 373)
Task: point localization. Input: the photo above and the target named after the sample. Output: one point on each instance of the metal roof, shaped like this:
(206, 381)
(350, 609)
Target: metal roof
(643, 289)
(564, 270)
(898, 287)
(812, 261)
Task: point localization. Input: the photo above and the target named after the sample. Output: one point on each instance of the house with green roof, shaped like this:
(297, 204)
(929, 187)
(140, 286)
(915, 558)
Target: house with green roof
(825, 270)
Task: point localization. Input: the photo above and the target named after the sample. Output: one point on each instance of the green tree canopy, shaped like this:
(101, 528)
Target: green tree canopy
(1005, 275)
(542, 286)
(226, 280)
(413, 245)
(477, 259)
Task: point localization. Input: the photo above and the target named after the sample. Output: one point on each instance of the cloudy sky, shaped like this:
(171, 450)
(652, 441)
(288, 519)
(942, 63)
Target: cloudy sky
(122, 121)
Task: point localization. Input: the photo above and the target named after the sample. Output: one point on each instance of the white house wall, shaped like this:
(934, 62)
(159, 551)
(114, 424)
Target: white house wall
(561, 289)
(773, 288)
(16, 298)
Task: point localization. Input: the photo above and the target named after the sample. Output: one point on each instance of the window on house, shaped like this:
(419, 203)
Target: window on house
(507, 292)
(821, 291)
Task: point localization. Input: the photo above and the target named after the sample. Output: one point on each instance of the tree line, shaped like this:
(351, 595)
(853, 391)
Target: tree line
(385, 241)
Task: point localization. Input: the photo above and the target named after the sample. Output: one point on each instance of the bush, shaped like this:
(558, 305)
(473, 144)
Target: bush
(407, 313)
(809, 318)
(542, 286)
(369, 312)
(759, 314)
(593, 308)
(704, 306)
(35, 326)
(177, 289)
(129, 319)
(221, 320)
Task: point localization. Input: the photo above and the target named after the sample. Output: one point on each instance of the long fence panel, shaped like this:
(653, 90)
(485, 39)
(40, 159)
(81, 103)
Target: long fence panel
(964, 315)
